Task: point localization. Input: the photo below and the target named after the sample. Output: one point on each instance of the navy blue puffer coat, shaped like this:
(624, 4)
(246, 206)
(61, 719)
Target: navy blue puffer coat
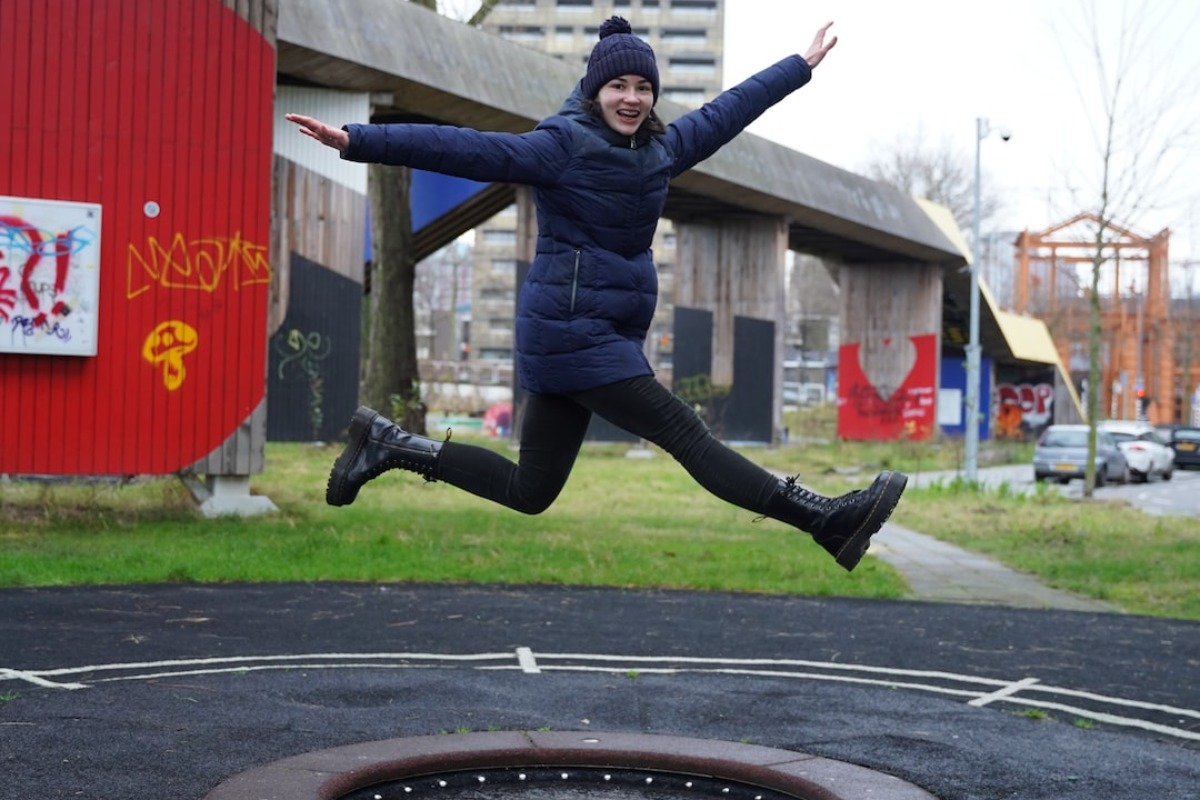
(587, 304)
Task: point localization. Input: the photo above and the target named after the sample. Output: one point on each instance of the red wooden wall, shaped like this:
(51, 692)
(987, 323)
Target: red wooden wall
(126, 103)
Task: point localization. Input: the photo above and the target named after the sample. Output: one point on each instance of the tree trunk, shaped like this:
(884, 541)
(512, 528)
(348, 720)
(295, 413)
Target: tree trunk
(392, 380)
(1093, 396)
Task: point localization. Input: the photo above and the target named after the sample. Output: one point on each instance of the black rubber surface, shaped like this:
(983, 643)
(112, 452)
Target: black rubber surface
(180, 687)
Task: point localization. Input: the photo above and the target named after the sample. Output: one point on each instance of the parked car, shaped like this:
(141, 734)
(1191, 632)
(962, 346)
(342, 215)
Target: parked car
(1148, 455)
(1186, 444)
(1062, 450)
(1165, 429)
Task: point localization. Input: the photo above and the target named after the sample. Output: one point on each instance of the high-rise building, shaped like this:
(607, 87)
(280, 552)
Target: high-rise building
(688, 40)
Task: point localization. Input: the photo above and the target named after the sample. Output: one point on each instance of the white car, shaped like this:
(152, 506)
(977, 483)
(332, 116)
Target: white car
(1144, 449)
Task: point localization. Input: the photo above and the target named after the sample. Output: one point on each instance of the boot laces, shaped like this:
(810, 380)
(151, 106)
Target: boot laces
(400, 462)
(794, 490)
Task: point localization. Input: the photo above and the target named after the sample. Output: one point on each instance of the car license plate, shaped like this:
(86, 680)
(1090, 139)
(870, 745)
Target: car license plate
(1064, 467)
(1189, 446)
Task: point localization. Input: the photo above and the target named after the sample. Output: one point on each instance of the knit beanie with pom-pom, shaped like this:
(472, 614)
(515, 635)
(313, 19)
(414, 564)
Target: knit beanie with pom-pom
(618, 53)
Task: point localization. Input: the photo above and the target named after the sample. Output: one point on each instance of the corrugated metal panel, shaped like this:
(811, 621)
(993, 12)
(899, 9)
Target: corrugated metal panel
(161, 114)
(334, 108)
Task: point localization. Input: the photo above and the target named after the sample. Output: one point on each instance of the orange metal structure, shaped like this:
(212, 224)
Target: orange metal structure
(1054, 282)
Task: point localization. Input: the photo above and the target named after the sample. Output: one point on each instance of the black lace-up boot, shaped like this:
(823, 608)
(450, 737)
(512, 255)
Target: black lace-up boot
(376, 446)
(842, 525)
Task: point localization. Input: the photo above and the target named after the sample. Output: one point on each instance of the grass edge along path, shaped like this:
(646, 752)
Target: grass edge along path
(620, 522)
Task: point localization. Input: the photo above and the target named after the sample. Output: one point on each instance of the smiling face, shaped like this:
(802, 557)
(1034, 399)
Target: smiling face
(625, 102)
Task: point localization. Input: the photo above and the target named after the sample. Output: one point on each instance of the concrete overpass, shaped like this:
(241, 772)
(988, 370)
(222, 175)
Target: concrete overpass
(435, 68)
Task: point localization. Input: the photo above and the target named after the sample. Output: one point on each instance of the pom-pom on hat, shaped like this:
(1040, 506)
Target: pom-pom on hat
(618, 53)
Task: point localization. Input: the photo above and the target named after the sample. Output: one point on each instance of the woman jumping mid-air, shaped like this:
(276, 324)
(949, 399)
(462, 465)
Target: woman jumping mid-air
(600, 170)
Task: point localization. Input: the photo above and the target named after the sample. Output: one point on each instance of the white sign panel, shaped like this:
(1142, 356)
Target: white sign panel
(950, 407)
(49, 276)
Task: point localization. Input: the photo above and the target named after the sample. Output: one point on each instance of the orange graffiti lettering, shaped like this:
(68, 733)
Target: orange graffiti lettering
(196, 264)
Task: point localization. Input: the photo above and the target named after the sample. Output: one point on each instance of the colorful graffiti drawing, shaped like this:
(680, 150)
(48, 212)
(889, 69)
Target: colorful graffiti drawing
(1023, 410)
(49, 276)
(889, 393)
(166, 346)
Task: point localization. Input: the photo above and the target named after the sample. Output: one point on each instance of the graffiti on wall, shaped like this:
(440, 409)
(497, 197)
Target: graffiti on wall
(889, 390)
(306, 352)
(165, 348)
(1023, 410)
(49, 276)
(195, 203)
(203, 264)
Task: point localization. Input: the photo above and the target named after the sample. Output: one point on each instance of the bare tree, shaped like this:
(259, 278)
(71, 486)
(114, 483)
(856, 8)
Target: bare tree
(392, 380)
(1144, 117)
(917, 164)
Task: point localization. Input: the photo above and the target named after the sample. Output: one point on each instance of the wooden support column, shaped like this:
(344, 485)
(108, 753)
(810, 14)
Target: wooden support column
(891, 322)
(525, 249)
(527, 232)
(734, 267)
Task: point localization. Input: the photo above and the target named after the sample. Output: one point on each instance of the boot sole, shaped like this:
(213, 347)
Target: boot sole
(857, 545)
(337, 493)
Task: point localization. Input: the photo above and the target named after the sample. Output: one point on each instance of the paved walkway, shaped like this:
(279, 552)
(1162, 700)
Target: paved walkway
(939, 571)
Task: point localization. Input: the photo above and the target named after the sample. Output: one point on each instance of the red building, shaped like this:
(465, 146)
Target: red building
(135, 174)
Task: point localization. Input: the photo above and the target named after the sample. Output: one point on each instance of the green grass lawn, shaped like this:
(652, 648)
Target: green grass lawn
(620, 522)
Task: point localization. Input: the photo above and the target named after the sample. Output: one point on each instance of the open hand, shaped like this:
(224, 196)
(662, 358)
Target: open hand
(819, 47)
(327, 135)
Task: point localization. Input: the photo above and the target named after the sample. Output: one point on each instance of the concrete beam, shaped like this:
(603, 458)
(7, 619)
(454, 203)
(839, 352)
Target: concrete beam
(442, 69)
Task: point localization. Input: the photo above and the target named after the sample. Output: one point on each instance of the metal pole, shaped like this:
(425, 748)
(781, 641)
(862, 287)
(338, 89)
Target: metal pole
(971, 440)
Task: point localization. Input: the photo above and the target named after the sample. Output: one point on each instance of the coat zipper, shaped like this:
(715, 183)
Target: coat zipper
(633, 142)
(575, 280)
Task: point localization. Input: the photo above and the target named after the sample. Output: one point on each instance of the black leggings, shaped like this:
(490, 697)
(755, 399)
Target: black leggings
(552, 431)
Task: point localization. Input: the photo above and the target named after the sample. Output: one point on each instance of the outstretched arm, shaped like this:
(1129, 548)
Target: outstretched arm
(698, 134)
(533, 158)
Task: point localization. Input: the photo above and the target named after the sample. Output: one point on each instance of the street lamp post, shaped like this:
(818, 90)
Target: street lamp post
(971, 439)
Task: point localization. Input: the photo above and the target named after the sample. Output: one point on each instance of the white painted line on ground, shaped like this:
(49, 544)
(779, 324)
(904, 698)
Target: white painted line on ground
(762, 673)
(528, 662)
(184, 662)
(1113, 719)
(242, 670)
(1173, 710)
(1000, 694)
(37, 680)
(780, 662)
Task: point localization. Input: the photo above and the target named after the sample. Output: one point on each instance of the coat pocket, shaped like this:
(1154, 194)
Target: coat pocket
(575, 280)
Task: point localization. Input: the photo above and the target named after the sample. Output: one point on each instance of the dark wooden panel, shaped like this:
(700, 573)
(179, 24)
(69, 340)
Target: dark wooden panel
(312, 383)
(749, 415)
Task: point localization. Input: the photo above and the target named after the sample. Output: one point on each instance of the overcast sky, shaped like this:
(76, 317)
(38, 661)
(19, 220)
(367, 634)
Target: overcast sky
(936, 65)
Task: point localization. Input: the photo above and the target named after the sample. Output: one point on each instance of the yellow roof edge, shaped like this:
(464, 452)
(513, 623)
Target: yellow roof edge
(1029, 340)
(944, 219)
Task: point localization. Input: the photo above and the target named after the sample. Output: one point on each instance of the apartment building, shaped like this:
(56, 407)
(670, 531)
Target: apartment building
(688, 39)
